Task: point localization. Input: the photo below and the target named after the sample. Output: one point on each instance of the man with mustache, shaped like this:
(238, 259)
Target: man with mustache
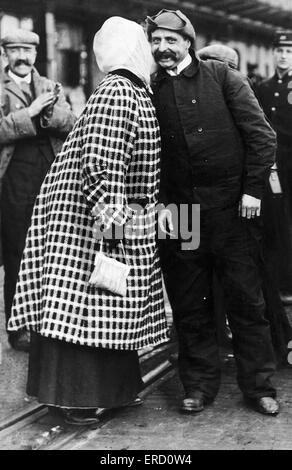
(34, 121)
(217, 148)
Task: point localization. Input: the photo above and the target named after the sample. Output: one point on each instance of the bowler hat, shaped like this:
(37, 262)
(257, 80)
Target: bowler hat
(282, 38)
(20, 37)
(174, 20)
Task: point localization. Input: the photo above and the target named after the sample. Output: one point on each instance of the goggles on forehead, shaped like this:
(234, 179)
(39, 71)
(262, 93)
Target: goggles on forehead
(151, 19)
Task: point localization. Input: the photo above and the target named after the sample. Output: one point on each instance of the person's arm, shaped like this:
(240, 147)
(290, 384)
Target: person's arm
(16, 125)
(258, 137)
(110, 126)
(58, 117)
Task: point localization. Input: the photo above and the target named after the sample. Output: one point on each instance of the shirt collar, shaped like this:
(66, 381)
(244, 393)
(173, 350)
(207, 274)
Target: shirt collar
(18, 79)
(189, 71)
(181, 66)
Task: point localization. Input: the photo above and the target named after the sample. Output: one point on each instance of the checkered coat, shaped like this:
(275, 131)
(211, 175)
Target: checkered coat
(110, 159)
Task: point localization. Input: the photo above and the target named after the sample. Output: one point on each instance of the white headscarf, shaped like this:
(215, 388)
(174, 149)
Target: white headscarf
(122, 43)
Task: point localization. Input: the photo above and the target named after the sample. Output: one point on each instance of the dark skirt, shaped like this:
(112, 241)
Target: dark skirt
(70, 376)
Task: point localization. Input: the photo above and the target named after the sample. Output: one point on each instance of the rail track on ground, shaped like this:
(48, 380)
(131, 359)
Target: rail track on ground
(38, 427)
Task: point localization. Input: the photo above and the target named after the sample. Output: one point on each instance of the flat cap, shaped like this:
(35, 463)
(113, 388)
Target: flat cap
(282, 38)
(20, 37)
(174, 20)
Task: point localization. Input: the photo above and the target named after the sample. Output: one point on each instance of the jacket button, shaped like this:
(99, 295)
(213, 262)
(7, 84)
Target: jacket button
(194, 101)
(276, 94)
(200, 129)
(273, 109)
(280, 81)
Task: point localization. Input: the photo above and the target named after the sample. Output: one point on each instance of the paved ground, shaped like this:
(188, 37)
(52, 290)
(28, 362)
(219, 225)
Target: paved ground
(226, 424)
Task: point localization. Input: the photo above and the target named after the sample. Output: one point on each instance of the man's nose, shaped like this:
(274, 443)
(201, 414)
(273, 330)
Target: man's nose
(162, 46)
(22, 54)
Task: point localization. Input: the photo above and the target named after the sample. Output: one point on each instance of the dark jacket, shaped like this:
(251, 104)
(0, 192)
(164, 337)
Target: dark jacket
(211, 111)
(16, 124)
(275, 96)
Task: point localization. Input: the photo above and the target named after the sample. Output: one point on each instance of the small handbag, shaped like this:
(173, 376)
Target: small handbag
(110, 274)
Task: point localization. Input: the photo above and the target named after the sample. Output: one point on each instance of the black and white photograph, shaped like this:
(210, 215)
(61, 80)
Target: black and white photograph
(145, 228)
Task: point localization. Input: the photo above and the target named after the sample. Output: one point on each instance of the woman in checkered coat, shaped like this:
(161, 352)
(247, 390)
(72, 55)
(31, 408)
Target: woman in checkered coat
(85, 340)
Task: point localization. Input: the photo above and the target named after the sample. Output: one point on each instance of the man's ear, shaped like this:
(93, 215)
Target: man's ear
(3, 52)
(188, 43)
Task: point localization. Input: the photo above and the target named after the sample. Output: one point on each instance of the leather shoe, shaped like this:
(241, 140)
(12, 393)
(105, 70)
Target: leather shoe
(19, 341)
(265, 405)
(79, 417)
(193, 404)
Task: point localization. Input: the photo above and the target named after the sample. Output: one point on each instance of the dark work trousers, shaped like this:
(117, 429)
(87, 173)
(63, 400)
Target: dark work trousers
(21, 185)
(230, 246)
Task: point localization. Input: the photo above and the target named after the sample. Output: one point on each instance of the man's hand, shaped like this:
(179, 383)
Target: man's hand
(249, 207)
(45, 99)
(48, 110)
(165, 221)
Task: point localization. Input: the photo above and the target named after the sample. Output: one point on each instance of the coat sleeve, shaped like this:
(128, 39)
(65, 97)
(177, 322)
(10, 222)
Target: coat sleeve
(15, 125)
(258, 137)
(109, 132)
(62, 118)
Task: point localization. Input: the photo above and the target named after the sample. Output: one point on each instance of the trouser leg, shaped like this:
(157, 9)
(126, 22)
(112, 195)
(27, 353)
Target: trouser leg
(238, 267)
(188, 283)
(15, 224)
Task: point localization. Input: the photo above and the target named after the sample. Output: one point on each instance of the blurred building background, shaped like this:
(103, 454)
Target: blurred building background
(67, 27)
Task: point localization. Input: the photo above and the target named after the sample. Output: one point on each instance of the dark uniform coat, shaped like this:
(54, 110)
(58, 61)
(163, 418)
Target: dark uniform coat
(110, 159)
(275, 96)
